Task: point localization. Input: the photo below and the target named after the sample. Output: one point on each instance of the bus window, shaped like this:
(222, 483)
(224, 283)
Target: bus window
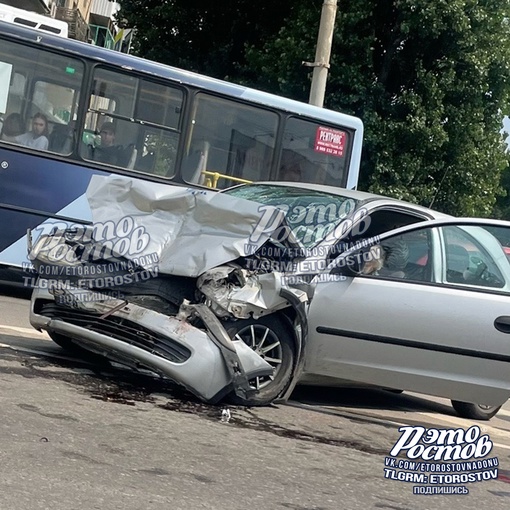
(16, 92)
(59, 100)
(46, 83)
(158, 153)
(143, 117)
(314, 153)
(229, 143)
(158, 107)
(159, 104)
(12, 91)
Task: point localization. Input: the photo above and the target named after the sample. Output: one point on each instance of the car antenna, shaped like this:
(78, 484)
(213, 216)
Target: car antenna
(438, 189)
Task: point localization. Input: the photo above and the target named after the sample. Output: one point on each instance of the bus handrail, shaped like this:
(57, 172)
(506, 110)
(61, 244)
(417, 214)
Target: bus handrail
(216, 176)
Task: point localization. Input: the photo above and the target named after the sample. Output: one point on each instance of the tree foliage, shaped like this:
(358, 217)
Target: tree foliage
(202, 36)
(429, 78)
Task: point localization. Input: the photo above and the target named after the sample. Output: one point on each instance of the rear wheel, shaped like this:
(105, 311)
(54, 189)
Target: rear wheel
(269, 337)
(475, 411)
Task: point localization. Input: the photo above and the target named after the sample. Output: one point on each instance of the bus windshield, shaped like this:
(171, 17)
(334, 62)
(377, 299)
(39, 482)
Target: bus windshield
(69, 110)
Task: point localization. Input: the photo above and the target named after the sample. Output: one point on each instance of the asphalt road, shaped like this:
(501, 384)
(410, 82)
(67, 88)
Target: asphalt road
(75, 435)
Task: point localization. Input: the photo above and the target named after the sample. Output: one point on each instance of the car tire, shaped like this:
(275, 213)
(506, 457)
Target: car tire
(260, 334)
(75, 350)
(475, 411)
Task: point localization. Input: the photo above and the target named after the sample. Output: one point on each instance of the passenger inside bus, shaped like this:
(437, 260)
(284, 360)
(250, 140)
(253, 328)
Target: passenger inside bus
(61, 138)
(37, 138)
(291, 173)
(107, 152)
(13, 127)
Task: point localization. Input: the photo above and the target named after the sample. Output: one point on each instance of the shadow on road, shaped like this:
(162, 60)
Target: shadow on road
(125, 381)
(15, 291)
(353, 398)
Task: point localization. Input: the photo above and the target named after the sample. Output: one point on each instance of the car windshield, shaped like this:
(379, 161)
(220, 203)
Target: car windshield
(310, 214)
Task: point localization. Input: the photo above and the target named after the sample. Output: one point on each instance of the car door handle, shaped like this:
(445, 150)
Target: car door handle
(503, 324)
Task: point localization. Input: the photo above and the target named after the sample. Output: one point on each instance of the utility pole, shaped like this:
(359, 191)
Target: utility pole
(323, 53)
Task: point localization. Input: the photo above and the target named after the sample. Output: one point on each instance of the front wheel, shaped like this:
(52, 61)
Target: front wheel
(75, 350)
(270, 338)
(475, 411)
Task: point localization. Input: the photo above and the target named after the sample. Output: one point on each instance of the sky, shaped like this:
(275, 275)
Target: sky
(506, 127)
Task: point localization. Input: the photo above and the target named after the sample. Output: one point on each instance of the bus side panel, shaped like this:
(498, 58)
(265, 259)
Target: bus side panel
(38, 183)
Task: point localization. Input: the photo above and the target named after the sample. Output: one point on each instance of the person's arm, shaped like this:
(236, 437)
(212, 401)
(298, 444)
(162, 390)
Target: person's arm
(374, 261)
(22, 139)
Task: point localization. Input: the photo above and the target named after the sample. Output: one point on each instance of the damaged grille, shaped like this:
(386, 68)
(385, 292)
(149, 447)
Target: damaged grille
(121, 329)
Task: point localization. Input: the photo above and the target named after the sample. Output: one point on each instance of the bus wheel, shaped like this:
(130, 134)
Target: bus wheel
(269, 337)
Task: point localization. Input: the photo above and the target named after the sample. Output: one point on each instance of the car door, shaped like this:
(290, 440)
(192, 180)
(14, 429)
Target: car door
(431, 316)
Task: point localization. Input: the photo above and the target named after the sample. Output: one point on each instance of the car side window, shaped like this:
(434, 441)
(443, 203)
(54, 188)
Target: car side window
(374, 224)
(467, 262)
(403, 257)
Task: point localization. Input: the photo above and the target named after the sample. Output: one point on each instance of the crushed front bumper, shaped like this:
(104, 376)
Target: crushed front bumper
(207, 363)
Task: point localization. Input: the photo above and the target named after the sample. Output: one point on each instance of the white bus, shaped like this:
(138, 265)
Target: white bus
(33, 20)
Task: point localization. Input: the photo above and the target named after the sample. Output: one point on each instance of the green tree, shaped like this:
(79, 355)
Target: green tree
(202, 36)
(502, 207)
(429, 78)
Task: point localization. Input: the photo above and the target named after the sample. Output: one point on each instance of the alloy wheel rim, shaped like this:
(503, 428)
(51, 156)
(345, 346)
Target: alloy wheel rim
(266, 344)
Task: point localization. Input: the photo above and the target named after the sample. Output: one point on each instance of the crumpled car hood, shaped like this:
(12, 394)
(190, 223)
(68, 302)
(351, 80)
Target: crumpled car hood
(189, 231)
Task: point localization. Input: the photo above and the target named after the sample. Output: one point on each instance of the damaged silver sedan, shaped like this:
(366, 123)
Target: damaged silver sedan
(244, 294)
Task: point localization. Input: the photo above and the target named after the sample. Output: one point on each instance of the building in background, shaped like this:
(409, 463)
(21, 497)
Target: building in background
(104, 31)
(76, 13)
(88, 20)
